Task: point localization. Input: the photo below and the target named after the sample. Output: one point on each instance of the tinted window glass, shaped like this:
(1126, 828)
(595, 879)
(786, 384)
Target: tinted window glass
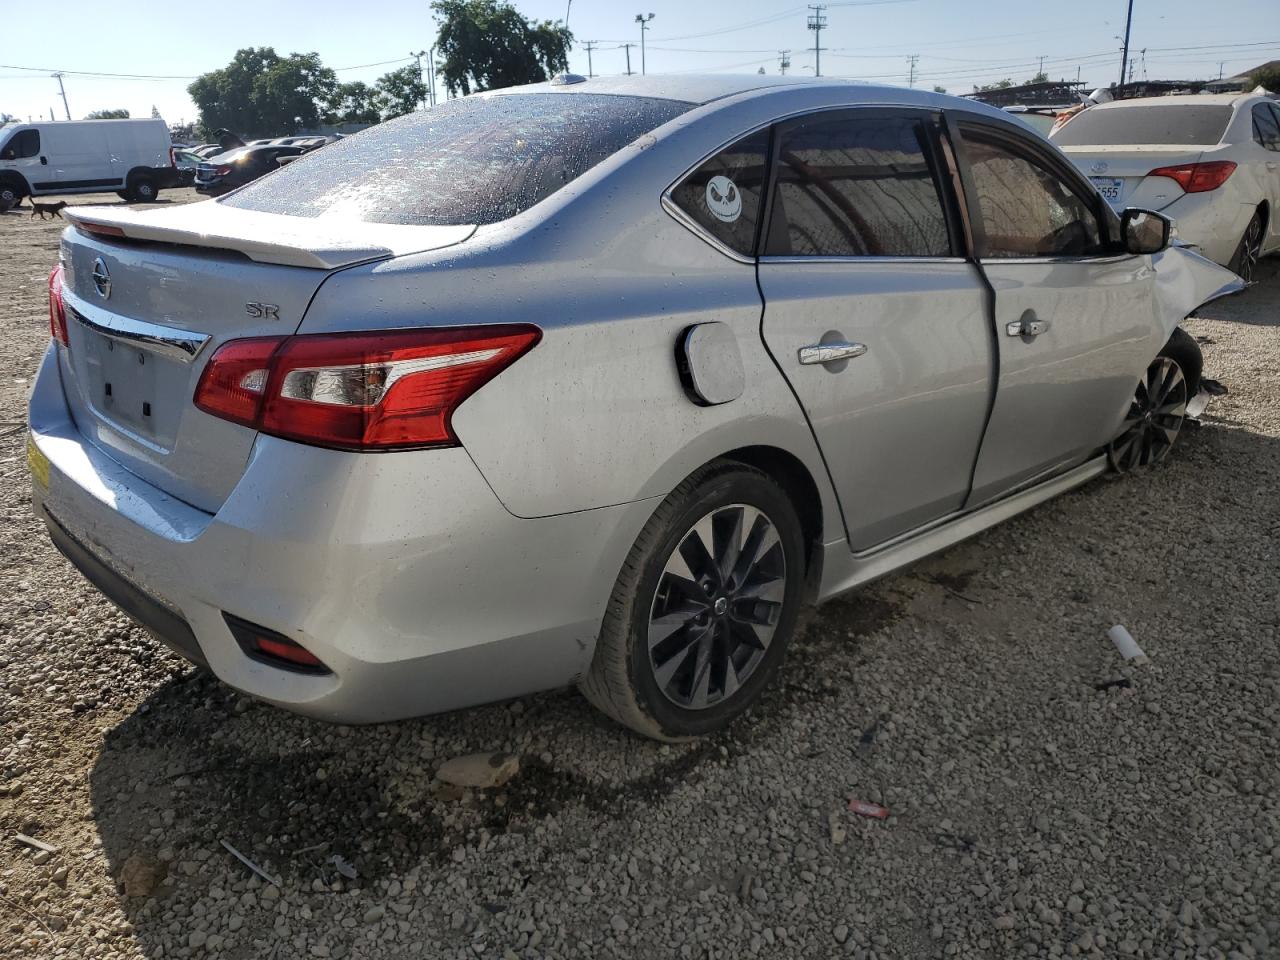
(853, 186)
(1184, 123)
(723, 195)
(1265, 129)
(22, 145)
(474, 160)
(1027, 210)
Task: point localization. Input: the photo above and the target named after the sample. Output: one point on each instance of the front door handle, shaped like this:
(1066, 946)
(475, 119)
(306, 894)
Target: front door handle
(831, 352)
(44, 161)
(1026, 326)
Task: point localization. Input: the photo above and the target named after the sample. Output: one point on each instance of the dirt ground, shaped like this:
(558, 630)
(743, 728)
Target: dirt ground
(1045, 800)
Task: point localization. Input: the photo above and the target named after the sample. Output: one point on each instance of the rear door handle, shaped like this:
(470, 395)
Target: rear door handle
(44, 161)
(1027, 326)
(831, 352)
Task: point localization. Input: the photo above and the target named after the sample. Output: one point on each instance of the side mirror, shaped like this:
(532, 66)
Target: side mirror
(1144, 231)
(8, 155)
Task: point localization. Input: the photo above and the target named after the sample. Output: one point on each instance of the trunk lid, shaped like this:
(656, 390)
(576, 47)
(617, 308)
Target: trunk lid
(1120, 172)
(148, 304)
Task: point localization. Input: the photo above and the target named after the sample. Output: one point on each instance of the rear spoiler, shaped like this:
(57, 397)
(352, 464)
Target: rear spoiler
(320, 243)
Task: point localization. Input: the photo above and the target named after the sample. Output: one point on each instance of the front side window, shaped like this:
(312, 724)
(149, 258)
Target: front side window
(856, 186)
(474, 160)
(23, 144)
(723, 196)
(1027, 210)
(1266, 130)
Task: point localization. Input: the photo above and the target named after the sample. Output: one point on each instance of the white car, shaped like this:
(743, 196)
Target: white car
(1211, 162)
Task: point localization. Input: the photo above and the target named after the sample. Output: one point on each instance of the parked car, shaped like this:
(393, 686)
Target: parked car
(1039, 119)
(131, 157)
(237, 167)
(575, 382)
(206, 150)
(1211, 162)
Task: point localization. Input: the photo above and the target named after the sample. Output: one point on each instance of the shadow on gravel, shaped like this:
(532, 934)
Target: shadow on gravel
(1257, 306)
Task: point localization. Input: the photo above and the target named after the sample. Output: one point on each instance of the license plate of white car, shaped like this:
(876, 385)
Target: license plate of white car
(1109, 187)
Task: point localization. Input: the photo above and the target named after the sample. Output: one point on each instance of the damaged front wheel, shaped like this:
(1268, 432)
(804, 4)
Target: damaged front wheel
(1155, 418)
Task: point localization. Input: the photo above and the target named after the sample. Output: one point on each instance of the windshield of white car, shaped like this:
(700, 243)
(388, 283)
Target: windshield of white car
(474, 160)
(1162, 125)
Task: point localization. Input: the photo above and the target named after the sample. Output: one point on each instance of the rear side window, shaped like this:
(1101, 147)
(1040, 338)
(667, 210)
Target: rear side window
(475, 160)
(1174, 124)
(856, 186)
(24, 144)
(723, 196)
(1027, 209)
(1266, 130)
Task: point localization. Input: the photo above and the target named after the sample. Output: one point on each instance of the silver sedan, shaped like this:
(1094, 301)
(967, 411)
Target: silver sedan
(597, 382)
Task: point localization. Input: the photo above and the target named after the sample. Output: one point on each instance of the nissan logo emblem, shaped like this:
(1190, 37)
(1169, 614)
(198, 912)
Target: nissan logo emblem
(101, 279)
(1099, 166)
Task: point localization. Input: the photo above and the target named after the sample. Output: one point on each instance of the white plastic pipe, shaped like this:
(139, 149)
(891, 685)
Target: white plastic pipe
(1127, 646)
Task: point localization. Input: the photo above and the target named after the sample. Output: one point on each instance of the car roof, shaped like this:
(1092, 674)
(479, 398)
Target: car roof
(1193, 99)
(704, 88)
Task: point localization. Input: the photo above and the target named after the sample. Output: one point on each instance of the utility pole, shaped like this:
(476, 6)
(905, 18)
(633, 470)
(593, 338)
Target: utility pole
(1124, 56)
(1221, 64)
(911, 69)
(63, 91)
(590, 45)
(644, 26)
(627, 47)
(421, 79)
(817, 21)
(431, 79)
(784, 61)
(1041, 70)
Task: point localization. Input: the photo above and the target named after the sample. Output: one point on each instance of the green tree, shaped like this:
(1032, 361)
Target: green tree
(1267, 77)
(998, 85)
(108, 115)
(1040, 77)
(355, 103)
(260, 93)
(939, 89)
(488, 44)
(400, 91)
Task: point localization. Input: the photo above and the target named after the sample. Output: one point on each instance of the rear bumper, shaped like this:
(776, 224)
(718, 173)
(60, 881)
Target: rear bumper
(402, 572)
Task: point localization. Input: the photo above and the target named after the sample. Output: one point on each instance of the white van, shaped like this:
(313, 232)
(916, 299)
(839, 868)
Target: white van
(131, 157)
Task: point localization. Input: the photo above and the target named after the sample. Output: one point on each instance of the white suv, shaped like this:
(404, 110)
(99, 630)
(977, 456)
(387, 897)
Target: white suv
(1212, 162)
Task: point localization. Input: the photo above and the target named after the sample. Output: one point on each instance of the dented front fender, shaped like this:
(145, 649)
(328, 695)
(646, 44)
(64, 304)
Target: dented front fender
(1186, 281)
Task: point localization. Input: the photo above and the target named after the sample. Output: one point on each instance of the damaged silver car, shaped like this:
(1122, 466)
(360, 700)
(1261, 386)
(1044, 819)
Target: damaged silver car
(595, 381)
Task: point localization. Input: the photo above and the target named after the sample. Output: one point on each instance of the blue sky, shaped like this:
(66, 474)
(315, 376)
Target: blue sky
(959, 43)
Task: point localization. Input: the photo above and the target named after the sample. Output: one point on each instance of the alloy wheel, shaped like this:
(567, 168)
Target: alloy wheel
(716, 607)
(1155, 416)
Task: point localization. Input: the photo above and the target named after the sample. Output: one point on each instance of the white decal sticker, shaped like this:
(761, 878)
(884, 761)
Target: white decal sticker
(723, 199)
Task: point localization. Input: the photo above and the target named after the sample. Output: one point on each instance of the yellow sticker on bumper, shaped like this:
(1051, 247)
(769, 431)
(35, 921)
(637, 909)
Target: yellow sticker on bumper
(38, 463)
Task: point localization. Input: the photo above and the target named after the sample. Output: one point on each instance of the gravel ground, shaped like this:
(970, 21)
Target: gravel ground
(1044, 800)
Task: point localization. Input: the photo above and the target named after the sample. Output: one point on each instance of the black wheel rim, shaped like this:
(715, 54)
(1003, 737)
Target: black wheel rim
(717, 605)
(1155, 416)
(1250, 250)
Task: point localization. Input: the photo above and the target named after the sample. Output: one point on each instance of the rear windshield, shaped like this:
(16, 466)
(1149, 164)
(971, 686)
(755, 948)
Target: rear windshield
(474, 160)
(1197, 123)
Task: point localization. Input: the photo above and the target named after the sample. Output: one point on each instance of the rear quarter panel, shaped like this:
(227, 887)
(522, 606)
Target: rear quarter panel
(596, 414)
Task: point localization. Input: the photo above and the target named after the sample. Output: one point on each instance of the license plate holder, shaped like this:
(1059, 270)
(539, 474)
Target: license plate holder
(122, 381)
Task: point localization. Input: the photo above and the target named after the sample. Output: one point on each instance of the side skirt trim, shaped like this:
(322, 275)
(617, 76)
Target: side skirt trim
(843, 570)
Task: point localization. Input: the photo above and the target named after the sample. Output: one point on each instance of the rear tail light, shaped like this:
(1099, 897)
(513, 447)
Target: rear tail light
(1197, 177)
(57, 309)
(173, 157)
(267, 646)
(391, 390)
(221, 171)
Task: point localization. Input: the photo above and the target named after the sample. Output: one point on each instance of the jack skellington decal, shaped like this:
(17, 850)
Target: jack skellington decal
(723, 199)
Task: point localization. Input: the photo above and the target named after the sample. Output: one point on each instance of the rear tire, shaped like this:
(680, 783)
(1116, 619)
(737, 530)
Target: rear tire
(143, 190)
(1245, 260)
(692, 636)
